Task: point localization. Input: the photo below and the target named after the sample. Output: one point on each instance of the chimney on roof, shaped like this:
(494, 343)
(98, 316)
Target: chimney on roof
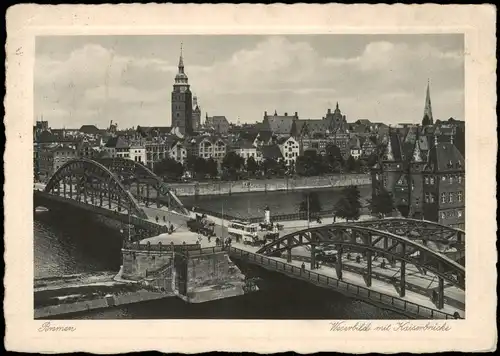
(329, 111)
(296, 114)
(265, 113)
(286, 114)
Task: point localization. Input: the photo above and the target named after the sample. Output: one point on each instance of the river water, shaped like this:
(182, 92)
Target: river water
(68, 243)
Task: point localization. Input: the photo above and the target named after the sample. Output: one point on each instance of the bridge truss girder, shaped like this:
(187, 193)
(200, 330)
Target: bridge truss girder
(444, 239)
(91, 181)
(372, 242)
(146, 184)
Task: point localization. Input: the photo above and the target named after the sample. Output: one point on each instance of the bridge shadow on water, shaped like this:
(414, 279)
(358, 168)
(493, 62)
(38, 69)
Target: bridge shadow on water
(73, 241)
(279, 297)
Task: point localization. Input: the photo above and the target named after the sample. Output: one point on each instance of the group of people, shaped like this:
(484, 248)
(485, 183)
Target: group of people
(169, 224)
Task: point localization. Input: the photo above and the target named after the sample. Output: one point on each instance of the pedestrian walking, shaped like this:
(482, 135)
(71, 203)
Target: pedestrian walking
(164, 219)
(217, 241)
(171, 229)
(303, 267)
(156, 218)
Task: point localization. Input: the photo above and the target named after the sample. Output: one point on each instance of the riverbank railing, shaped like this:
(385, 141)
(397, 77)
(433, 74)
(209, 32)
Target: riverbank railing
(274, 218)
(395, 303)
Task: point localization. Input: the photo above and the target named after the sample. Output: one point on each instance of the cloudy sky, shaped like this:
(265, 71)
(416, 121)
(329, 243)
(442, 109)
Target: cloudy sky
(128, 79)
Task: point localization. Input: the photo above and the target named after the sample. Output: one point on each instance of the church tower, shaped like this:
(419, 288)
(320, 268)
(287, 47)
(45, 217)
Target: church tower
(182, 101)
(428, 119)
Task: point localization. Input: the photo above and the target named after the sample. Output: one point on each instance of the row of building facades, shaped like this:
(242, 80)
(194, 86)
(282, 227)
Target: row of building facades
(422, 166)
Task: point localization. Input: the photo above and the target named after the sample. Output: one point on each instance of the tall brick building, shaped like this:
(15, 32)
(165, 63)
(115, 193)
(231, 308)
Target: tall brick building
(430, 187)
(182, 101)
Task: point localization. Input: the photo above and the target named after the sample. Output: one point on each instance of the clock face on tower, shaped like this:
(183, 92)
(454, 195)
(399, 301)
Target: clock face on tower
(183, 89)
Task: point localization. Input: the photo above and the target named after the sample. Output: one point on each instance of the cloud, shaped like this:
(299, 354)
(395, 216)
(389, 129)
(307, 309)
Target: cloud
(384, 80)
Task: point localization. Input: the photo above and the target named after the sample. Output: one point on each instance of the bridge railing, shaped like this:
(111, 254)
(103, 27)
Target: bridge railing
(384, 278)
(159, 247)
(275, 218)
(352, 289)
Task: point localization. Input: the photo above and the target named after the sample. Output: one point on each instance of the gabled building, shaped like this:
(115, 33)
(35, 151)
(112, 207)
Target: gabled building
(279, 125)
(246, 149)
(309, 128)
(90, 130)
(290, 150)
(444, 185)
(355, 147)
(217, 124)
(271, 152)
(387, 172)
(178, 151)
(264, 138)
(117, 146)
(52, 157)
(335, 121)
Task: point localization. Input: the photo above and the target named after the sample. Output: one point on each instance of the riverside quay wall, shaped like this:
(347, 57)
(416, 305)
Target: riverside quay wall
(269, 185)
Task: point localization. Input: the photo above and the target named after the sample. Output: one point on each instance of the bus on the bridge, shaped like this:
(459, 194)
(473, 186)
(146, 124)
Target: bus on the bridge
(243, 231)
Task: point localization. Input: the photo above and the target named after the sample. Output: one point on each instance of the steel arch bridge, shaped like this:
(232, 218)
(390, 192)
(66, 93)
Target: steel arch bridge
(91, 182)
(144, 184)
(371, 242)
(441, 238)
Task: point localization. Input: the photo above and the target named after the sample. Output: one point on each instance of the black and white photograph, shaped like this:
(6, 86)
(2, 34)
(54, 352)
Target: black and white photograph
(249, 177)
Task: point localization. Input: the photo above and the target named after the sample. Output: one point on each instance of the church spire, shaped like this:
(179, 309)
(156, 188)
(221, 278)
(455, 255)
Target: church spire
(428, 119)
(181, 62)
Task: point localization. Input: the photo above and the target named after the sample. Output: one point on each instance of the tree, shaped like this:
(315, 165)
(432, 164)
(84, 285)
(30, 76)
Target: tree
(169, 168)
(314, 203)
(334, 158)
(190, 163)
(348, 207)
(382, 203)
(232, 164)
(352, 165)
(199, 168)
(211, 168)
(269, 166)
(280, 168)
(252, 166)
(311, 164)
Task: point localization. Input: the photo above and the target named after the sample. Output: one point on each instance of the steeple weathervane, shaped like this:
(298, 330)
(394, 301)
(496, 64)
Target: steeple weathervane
(181, 62)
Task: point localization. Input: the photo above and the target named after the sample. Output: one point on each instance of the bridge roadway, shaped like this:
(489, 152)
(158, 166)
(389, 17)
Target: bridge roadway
(419, 286)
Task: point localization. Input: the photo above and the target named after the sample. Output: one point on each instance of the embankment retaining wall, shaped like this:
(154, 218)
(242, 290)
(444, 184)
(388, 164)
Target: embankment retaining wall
(269, 185)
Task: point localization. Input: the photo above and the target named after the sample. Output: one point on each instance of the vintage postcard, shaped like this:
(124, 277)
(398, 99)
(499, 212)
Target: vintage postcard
(189, 178)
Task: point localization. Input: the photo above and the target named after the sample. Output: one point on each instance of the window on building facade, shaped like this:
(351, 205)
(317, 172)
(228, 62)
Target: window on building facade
(443, 178)
(443, 215)
(459, 178)
(459, 213)
(426, 180)
(451, 179)
(459, 196)
(450, 197)
(443, 198)
(431, 180)
(427, 197)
